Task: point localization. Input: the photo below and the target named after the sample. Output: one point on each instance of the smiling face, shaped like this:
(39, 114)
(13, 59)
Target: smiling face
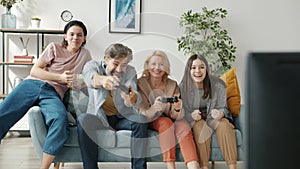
(116, 66)
(198, 71)
(74, 37)
(156, 67)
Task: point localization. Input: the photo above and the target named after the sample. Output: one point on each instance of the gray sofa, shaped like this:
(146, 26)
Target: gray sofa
(114, 146)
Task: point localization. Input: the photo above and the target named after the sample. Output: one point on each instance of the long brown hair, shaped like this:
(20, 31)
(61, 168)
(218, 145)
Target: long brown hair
(206, 81)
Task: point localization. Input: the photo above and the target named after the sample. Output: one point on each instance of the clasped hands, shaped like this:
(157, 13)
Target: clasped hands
(72, 80)
(67, 77)
(216, 114)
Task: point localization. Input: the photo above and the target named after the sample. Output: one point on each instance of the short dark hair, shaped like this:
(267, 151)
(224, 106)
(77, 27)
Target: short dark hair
(74, 23)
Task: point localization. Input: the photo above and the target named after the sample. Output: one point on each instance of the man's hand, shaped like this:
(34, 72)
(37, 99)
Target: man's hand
(130, 98)
(107, 82)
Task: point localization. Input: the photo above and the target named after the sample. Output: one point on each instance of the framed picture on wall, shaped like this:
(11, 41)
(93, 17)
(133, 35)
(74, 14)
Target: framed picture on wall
(125, 16)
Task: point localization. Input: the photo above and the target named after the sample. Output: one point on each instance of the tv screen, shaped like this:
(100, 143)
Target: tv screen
(272, 111)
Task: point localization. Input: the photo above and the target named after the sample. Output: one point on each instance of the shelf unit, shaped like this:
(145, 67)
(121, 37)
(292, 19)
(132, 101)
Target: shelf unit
(22, 125)
(40, 33)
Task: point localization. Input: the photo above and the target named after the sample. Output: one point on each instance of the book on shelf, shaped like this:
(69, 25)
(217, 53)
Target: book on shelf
(23, 59)
(24, 62)
(26, 56)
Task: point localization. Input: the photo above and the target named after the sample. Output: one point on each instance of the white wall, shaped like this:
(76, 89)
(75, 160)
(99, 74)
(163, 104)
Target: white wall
(254, 25)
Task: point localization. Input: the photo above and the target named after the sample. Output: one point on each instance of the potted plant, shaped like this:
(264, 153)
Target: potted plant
(8, 19)
(35, 22)
(204, 35)
(9, 3)
(36, 19)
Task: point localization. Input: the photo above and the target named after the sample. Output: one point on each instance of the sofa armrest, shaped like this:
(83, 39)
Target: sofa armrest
(239, 121)
(38, 129)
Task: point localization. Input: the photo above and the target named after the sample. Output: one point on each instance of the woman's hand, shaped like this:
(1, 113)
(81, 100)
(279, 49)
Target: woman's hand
(216, 114)
(196, 115)
(156, 109)
(177, 105)
(177, 112)
(159, 106)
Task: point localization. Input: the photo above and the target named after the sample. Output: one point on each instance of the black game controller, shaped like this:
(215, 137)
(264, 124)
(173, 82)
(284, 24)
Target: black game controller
(169, 99)
(124, 88)
(203, 113)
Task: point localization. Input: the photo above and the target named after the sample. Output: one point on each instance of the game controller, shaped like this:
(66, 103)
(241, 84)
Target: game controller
(169, 99)
(124, 88)
(203, 113)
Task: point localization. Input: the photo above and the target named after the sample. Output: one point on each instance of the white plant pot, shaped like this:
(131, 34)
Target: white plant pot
(35, 23)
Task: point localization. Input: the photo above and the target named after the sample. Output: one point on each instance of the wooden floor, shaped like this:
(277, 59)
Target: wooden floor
(18, 153)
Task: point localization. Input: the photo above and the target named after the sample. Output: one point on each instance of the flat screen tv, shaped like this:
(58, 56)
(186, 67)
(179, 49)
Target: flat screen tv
(272, 106)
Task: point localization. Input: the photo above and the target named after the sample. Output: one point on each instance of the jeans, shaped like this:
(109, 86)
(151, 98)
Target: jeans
(89, 149)
(35, 92)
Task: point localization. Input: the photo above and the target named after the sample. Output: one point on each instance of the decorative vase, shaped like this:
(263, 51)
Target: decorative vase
(8, 19)
(24, 52)
(17, 80)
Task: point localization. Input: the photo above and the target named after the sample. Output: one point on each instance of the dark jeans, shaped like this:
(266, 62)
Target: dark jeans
(87, 124)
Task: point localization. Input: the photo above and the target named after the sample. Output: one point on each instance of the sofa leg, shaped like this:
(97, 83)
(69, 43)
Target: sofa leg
(212, 165)
(56, 165)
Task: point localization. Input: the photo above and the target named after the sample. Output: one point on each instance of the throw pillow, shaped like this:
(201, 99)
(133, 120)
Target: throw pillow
(233, 92)
(76, 102)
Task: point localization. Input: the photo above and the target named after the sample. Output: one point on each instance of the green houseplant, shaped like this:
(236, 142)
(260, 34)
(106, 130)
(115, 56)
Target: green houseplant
(204, 35)
(9, 3)
(36, 19)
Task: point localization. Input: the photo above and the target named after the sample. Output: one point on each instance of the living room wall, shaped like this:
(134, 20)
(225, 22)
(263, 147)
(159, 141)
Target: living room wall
(254, 25)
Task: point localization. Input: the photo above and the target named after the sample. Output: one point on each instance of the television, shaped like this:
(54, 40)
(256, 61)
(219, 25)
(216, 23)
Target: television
(272, 106)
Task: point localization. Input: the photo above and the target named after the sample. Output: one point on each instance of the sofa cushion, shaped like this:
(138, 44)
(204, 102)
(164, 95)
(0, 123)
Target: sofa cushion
(153, 139)
(105, 138)
(76, 102)
(73, 138)
(233, 92)
(123, 138)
